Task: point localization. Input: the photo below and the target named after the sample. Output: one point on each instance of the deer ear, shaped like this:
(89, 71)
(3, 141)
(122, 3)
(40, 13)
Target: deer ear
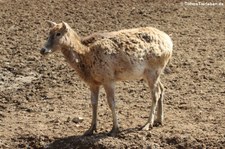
(50, 23)
(65, 26)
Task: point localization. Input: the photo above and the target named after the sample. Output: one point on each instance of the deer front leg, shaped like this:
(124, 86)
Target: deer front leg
(94, 103)
(109, 89)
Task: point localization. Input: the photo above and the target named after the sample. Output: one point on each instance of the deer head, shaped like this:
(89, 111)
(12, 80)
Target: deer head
(59, 38)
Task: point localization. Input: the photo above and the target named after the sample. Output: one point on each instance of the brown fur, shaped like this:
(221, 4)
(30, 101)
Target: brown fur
(103, 58)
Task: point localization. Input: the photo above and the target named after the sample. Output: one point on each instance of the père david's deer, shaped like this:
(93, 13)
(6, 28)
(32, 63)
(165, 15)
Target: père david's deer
(104, 58)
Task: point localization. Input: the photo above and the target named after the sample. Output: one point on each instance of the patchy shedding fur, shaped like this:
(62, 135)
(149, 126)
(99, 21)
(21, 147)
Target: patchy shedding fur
(107, 57)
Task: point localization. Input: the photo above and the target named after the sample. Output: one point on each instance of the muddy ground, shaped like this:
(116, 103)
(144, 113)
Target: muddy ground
(40, 97)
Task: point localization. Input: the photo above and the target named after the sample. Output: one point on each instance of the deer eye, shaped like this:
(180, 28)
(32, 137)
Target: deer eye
(58, 34)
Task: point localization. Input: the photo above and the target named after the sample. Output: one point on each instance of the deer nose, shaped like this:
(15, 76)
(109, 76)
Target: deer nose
(43, 51)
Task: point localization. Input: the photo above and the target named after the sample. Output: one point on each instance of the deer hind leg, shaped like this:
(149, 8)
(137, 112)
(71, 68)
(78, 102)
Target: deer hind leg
(94, 103)
(160, 115)
(152, 78)
(109, 89)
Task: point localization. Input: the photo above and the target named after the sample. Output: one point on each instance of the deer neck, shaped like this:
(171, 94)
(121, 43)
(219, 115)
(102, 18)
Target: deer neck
(76, 55)
(76, 44)
(71, 56)
(78, 62)
(74, 51)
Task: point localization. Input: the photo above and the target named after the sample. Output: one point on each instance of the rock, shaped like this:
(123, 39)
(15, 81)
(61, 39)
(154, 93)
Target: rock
(77, 120)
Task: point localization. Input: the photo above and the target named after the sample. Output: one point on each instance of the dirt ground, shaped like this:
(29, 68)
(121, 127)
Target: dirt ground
(40, 98)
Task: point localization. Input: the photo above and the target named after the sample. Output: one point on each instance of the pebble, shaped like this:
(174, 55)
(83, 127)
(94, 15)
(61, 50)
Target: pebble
(77, 120)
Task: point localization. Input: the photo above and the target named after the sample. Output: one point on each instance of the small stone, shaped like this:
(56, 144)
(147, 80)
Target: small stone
(77, 125)
(144, 138)
(68, 119)
(77, 120)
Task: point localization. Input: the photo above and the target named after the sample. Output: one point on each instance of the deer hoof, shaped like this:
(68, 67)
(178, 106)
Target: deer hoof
(90, 132)
(147, 127)
(114, 132)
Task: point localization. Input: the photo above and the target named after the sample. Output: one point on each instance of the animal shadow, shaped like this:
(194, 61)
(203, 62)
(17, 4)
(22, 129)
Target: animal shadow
(86, 142)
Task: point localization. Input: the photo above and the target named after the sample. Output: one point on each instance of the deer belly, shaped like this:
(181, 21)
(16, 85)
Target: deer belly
(130, 73)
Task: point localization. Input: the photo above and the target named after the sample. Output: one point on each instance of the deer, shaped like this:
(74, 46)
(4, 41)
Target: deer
(103, 58)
